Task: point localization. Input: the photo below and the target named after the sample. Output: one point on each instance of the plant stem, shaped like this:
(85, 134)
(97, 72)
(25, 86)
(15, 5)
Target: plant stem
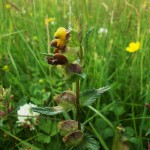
(77, 82)
(78, 104)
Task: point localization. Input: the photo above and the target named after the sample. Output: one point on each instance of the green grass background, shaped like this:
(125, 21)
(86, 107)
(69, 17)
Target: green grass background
(23, 37)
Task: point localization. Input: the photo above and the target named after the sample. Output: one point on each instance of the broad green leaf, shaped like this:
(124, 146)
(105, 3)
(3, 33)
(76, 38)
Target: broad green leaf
(38, 94)
(46, 96)
(50, 111)
(129, 132)
(89, 96)
(54, 129)
(117, 109)
(36, 101)
(43, 138)
(45, 125)
(88, 143)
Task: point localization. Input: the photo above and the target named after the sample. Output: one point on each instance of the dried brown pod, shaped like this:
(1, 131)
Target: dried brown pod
(57, 59)
(73, 139)
(67, 127)
(67, 100)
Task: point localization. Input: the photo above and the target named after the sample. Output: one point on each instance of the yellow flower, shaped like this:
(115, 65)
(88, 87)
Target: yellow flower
(5, 68)
(31, 14)
(60, 43)
(7, 6)
(60, 33)
(133, 47)
(41, 80)
(47, 20)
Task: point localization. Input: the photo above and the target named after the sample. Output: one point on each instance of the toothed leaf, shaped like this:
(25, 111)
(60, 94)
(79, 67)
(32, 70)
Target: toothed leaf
(89, 96)
(50, 111)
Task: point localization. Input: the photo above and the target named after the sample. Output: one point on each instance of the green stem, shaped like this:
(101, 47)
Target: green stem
(78, 104)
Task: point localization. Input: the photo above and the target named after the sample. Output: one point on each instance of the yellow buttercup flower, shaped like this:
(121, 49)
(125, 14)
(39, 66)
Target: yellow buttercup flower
(48, 20)
(133, 47)
(5, 68)
(61, 33)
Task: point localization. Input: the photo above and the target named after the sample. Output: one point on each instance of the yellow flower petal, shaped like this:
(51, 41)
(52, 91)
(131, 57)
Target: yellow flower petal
(47, 20)
(5, 68)
(60, 33)
(133, 47)
(7, 6)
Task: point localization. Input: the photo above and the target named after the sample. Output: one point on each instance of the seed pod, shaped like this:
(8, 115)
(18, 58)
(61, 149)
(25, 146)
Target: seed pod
(73, 139)
(54, 43)
(59, 44)
(73, 68)
(57, 59)
(67, 100)
(67, 127)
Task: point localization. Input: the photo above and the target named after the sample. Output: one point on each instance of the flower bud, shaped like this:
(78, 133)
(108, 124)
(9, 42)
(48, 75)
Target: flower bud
(73, 68)
(67, 100)
(67, 127)
(73, 139)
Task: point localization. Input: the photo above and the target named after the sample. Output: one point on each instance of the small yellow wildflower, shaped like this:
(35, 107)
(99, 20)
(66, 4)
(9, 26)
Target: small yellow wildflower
(146, 5)
(7, 6)
(35, 38)
(31, 14)
(41, 80)
(133, 47)
(5, 68)
(47, 20)
(60, 33)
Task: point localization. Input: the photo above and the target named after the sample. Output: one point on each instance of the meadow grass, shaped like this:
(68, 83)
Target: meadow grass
(23, 37)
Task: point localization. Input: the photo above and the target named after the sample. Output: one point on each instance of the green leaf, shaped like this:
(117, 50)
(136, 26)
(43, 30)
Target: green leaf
(46, 96)
(54, 128)
(43, 138)
(36, 101)
(50, 111)
(89, 96)
(148, 132)
(129, 132)
(45, 125)
(117, 109)
(99, 137)
(107, 132)
(38, 94)
(103, 117)
(34, 87)
(88, 143)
